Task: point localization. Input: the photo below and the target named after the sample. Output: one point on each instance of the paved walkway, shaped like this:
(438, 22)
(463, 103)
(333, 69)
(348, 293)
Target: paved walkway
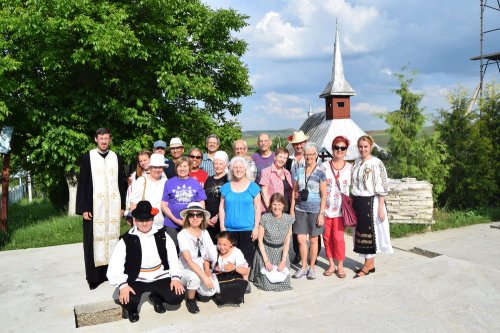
(456, 291)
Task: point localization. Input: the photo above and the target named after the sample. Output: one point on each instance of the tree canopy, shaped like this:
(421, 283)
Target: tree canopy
(411, 152)
(147, 70)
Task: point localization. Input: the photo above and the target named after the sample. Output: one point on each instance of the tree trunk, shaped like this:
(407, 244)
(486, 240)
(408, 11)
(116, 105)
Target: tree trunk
(72, 183)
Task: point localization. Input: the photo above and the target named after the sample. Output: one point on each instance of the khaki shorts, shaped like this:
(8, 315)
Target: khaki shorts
(305, 224)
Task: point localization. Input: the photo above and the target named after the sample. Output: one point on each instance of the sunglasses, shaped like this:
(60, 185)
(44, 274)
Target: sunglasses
(343, 148)
(198, 215)
(195, 157)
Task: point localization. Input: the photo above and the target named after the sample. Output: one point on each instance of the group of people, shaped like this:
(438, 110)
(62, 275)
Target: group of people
(203, 224)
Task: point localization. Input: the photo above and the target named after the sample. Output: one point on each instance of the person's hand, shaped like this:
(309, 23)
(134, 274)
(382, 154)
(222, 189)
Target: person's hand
(177, 286)
(321, 220)
(129, 181)
(87, 216)
(207, 281)
(178, 221)
(229, 267)
(222, 228)
(212, 221)
(125, 294)
(381, 213)
(269, 266)
(255, 233)
(122, 213)
(282, 265)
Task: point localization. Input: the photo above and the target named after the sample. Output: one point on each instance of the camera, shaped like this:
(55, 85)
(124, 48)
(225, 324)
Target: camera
(304, 194)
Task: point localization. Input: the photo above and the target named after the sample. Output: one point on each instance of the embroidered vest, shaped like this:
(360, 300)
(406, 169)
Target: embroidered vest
(133, 257)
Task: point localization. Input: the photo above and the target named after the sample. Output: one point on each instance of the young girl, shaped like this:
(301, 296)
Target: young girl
(231, 270)
(275, 231)
(195, 245)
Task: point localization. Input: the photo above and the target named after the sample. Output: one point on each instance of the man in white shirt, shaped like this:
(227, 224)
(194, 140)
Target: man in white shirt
(146, 260)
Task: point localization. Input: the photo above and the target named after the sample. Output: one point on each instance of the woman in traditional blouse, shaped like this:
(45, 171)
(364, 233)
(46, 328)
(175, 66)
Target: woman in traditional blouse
(276, 178)
(369, 186)
(239, 211)
(338, 177)
(308, 209)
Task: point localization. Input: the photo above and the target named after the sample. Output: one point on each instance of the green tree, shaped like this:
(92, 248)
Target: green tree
(489, 127)
(146, 70)
(470, 182)
(411, 152)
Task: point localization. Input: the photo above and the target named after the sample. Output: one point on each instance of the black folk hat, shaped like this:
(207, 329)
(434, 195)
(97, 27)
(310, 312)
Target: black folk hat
(144, 211)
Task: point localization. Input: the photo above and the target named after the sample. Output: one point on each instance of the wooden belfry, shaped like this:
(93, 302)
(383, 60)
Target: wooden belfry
(338, 91)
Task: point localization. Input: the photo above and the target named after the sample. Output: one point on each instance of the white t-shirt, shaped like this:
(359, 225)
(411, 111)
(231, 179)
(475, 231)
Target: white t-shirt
(204, 247)
(236, 257)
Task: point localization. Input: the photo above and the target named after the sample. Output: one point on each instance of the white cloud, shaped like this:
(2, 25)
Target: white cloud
(285, 106)
(306, 28)
(387, 71)
(368, 108)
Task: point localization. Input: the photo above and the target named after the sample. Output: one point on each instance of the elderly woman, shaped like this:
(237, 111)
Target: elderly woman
(369, 186)
(195, 155)
(308, 209)
(338, 176)
(150, 187)
(196, 247)
(277, 179)
(178, 192)
(239, 210)
(212, 189)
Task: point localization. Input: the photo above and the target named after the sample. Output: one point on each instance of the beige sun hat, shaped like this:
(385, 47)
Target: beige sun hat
(298, 137)
(175, 142)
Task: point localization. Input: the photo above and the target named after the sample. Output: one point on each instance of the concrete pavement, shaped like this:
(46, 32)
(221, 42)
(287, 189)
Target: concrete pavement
(455, 291)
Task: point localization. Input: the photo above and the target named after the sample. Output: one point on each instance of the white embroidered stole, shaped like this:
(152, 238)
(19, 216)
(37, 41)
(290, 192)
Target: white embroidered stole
(106, 205)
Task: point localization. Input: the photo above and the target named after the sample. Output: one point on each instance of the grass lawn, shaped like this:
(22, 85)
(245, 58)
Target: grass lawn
(38, 224)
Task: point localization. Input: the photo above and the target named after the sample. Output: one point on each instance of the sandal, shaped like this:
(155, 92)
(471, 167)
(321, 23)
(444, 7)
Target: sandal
(365, 273)
(340, 276)
(370, 271)
(328, 273)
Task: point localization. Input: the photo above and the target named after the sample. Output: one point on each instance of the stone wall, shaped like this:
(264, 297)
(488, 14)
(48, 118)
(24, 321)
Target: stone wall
(409, 201)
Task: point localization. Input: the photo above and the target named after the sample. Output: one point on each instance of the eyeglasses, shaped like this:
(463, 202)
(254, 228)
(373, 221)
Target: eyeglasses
(198, 215)
(197, 157)
(309, 155)
(343, 148)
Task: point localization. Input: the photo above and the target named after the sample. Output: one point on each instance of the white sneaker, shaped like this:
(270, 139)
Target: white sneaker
(311, 275)
(300, 273)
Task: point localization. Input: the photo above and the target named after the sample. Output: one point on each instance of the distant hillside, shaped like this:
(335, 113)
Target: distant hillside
(380, 136)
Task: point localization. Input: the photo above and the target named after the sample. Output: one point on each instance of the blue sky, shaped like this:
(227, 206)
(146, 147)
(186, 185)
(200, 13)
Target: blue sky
(291, 48)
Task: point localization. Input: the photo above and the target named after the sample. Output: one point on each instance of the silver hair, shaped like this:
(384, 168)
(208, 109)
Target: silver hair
(311, 145)
(234, 160)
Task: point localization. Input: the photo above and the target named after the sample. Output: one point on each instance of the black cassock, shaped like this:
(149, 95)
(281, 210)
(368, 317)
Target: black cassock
(84, 203)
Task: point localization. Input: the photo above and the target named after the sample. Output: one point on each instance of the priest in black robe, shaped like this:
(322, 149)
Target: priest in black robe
(101, 202)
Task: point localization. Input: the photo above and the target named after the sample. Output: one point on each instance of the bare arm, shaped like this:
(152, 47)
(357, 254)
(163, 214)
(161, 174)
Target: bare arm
(294, 196)
(256, 205)
(265, 196)
(322, 193)
(262, 249)
(286, 246)
(222, 214)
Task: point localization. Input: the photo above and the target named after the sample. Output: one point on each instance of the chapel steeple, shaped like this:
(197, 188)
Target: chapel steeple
(338, 91)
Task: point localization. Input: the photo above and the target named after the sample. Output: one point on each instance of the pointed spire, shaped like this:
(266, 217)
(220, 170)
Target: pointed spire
(338, 85)
(310, 112)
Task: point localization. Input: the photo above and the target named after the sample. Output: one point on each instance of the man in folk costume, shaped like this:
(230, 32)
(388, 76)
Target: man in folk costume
(100, 199)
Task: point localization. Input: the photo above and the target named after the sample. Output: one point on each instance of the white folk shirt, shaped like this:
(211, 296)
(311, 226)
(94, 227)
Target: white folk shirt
(333, 194)
(188, 242)
(151, 266)
(369, 178)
